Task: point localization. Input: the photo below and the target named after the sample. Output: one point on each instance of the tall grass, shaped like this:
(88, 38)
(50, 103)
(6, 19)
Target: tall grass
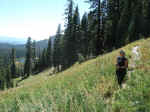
(86, 87)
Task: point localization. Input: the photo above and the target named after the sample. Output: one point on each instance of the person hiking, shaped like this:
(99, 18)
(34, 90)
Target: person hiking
(121, 67)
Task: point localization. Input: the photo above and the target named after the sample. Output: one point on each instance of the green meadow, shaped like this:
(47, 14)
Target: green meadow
(87, 87)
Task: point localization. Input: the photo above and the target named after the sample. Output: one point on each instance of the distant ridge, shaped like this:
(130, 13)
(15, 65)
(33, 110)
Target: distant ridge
(12, 40)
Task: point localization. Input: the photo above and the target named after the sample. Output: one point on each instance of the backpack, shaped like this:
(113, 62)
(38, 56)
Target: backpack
(121, 61)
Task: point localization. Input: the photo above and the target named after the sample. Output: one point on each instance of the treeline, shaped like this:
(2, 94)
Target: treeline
(6, 49)
(109, 25)
(8, 70)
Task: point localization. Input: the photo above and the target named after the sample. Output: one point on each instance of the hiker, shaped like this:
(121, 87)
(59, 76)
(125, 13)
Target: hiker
(121, 67)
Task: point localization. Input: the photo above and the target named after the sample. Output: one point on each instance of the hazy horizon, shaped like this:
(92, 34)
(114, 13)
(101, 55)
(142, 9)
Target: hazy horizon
(35, 18)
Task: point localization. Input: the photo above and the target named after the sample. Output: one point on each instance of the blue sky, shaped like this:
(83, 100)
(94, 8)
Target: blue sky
(36, 18)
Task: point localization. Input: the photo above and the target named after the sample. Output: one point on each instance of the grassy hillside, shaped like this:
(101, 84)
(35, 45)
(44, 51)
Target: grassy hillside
(86, 87)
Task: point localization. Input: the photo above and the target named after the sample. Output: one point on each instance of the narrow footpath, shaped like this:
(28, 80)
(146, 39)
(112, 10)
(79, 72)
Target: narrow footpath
(135, 57)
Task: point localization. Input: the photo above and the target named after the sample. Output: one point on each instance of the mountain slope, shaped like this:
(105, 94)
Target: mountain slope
(86, 87)
(12, 40)
(5, 48)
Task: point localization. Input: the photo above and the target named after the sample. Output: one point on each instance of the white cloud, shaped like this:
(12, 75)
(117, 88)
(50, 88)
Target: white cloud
(37, 30)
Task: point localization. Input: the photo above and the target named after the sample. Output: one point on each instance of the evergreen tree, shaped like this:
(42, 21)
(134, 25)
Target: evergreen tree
(49, 53)
(8, 78)
(137, 17)
(99, 38)
(62, 50)
(98, 26)
(57, 48)
(34, 52)
(84, 35)
(147, 16)
(28, 62)
(148, 10)
(91, 34)
(13, 61)
(68, 34)
(75, 39)
(43, 60)
(34, 49)
(115, 16)
(103, 26)
(2, 79)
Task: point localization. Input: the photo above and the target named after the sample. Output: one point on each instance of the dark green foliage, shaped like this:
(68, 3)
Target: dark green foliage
(34, 50)
(28, 62)
(109, 25)
(49, 53)
(75, 37)
(99, 36)
(6, 49)
(84, 36)
(67, 36)
(120, 21)
(7, 70)
(43, 61)
(2, 78)
(6, 80)
(44, 58)
(8, 77)
(72, 36)
(57, 48)
(148, 19)
(13, 65)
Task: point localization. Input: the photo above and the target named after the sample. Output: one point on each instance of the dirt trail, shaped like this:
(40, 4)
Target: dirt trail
(135, 57)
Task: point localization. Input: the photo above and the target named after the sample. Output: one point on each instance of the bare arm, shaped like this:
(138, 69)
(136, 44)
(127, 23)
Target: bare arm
(126, 63)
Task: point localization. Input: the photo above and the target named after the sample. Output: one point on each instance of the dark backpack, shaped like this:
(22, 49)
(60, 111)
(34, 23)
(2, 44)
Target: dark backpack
(121, 61)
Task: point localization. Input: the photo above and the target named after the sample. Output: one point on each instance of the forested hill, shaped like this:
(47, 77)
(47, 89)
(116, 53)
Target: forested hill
(12, 40)
(87, 87)
(41, 43)
(5, 48)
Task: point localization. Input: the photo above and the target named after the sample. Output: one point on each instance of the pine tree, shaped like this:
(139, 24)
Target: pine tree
(2, 79)
(8, 78)
(13, 63)
(128, 30)
(99, 38)
(57, 48)
(34, 52)
(84, 35)
(91, 35)
(75, 39)
(68, 34)
(34, 49)
(49, 53)
(62, 50)
(147, 16)
(148, 10)
(28, 62)
(97, 18)
(137, 17)
(43, 60)
(103, 25)
(120, 18)
(115, 20)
